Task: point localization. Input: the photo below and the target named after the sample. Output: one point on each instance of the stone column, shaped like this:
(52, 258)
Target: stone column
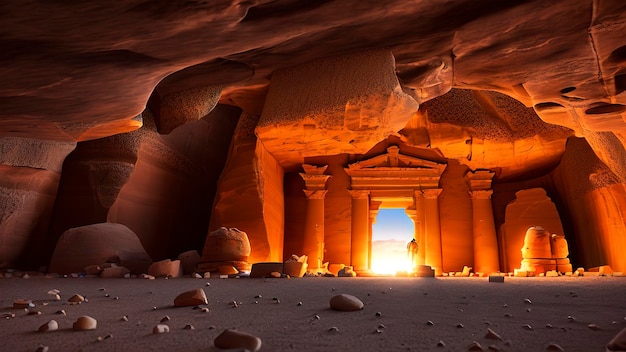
(419, 222)
(485, 241)
(360, 238)
(313, 241)
(486, 258)
(432, 230)
(374, 207)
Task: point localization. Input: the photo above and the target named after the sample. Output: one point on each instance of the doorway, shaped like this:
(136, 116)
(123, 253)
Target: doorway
(391, 232)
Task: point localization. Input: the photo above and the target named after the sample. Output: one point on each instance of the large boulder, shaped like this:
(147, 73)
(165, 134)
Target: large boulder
(82, 246)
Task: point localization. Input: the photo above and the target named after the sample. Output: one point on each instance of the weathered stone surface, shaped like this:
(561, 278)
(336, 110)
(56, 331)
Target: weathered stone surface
(230, 339)
(345, 302)
(95, 244)
(617, 343)
(191, 298)
(167, 267)
(265, 269)
(160, 329)
(84, 323)
(114, 272)
(189, 261)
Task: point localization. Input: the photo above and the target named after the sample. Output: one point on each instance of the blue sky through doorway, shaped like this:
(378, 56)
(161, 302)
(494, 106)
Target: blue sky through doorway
(390, 234)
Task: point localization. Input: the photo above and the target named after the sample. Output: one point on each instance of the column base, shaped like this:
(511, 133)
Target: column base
(424, 271)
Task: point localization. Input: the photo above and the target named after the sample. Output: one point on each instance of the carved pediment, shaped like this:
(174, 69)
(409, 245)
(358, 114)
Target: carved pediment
(393, 170)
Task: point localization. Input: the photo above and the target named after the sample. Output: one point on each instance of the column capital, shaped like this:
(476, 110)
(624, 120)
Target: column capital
(483, 194)
(315, 194)
(359, 194)
(479, 180)
(418, 193)
(432, 193)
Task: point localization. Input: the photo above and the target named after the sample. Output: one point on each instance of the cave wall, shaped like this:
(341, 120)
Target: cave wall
(250, 194)
(167, 199)
(30, 171)
(594, 199)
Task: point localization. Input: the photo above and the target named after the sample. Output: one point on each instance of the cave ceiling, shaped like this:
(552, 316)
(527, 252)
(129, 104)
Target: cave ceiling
(74, 70)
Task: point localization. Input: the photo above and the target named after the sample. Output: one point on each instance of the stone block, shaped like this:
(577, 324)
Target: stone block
(265, 269)
(114, 272)
(552, 273)
(347, 271)
(189, 260)
(295, 269)
(424, 271)
(496, 278)
(170, 268)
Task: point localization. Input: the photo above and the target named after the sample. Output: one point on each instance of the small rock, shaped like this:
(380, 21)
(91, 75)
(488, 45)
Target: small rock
(333, 329)
(7, 315)
(475, 346)
(85, 323)
(460, 326)
(382, 326)
(189, 327)
(492, 335)
(493, 348)
(124, 318)
(42, 348)
(191, 298)
(231, 339)
(76, 299)
(430, 323)
(378, 331)
(204, 310)
(345, 303)
(207, 275)
(275, 274)
(21, 303)
(548, 326)
(528, 301)
(34, 312)
(196, 276)
(441, 344)
(379, 314)
(165, 318)
(593, 327)
(299, 304)
(527, 327)
(617, 343)
(49, 326)
(316, 317)
(507, 315)
(160, 329)
(61, 312)
(554, 347)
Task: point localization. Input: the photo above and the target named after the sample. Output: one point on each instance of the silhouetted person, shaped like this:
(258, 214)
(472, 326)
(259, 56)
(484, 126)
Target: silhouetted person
(412, 248)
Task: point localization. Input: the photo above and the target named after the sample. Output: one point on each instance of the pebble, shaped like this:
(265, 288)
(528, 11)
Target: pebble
(7, 315)
(475, 346)
(548, 326)
(61, 312)
(275, 274)
(317, 317)
(234, 304)
(382, 326)
(165, 318)
(258, 296)
(378, 331)
(493, 335)
(594, 327)
(49, 326)
(189, 327)
(345, 303)
(379, 314)
(430, 323)
(617, 343)
(231, 339)
(23, 303)
(204, 310)
(34, 312)
(160, 329)
(460, 326)
(84, 323)
(42, 348)
(333, 329)
(527, 327)
(299, 304)
(124, 318)
(76, 299)
(441, 344)
(554, 347)
(191, 298)
(528, 301)
(493, 348)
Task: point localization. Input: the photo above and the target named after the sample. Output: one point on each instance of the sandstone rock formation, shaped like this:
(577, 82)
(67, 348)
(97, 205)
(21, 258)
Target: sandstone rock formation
(95, 244)
(235, 96)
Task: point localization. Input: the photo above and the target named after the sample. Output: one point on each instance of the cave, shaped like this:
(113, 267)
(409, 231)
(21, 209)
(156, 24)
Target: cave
(296, 123)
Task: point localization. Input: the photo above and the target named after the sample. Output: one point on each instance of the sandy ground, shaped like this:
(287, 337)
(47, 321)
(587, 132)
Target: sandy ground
(406, 305)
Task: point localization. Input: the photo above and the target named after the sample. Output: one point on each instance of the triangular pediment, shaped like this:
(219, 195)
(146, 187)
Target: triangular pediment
(394, 159)
(393, 170)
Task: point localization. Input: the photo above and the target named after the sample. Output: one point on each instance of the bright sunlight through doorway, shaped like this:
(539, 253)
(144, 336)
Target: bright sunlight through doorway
(390, 235)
